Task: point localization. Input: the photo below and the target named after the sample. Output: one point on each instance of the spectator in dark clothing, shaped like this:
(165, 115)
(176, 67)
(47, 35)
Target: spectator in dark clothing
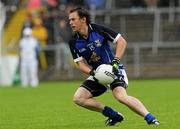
(28, 23)
(138, 3)
(63, 38)
(64, 31)
(76, 2)
(95, 4)
(167, 3)
(48, 21)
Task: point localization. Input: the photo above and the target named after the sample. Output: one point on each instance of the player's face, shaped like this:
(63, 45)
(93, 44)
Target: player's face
(75, 21)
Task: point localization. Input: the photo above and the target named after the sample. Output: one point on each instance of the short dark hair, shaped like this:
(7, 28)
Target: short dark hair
(82, 13)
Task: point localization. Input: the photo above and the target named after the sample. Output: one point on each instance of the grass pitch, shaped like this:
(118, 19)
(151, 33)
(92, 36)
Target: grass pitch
(50, 106)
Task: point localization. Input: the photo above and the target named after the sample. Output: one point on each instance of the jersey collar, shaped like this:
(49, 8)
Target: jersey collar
(90, 29)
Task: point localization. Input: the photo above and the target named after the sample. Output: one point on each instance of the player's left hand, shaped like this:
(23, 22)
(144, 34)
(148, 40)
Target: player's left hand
(115, 63)
(92, 73)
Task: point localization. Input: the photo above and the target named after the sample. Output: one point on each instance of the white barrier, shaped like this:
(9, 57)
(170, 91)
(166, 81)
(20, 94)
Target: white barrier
(8, 69)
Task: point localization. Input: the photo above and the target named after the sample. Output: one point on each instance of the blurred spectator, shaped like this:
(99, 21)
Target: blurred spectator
(34, 4)
(64, 34)
(95, 4)
(151, 3)
(48, 22)
(40, 32)
(76, 2)
(68, 8)
(64, 31)
(29, 49)
(167, 3)
(64, 2)
(52, 4)
(28, 23)
(163, 3)
(138, 3)
(10, 2)
(154, 3)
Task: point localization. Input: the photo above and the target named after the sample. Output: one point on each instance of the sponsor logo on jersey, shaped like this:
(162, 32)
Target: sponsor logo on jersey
(98, 43)
(94, 58)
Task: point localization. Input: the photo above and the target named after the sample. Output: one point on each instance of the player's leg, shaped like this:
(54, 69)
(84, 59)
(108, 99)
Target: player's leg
(119, 91)
(24, 73)
(134, 104)
(84, 97)
(33, 70)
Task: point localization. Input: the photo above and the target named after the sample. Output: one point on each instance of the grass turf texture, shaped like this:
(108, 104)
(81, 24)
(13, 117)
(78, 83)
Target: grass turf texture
(50, 106)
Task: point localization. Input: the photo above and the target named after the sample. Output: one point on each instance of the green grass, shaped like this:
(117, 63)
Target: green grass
(50, 106)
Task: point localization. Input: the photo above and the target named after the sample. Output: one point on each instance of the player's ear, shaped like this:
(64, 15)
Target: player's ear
(83, 19)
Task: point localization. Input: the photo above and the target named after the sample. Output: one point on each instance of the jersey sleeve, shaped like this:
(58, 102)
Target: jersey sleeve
(108, 33)
(75, 54)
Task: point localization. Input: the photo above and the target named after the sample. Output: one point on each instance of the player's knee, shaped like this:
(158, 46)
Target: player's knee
(78, 100)
(121, 95)
(122, 98)
(75, 99)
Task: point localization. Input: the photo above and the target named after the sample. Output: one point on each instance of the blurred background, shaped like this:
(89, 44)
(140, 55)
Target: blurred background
(151, 28)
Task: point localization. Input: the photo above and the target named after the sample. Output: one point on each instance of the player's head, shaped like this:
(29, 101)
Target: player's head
(27, 32)
(78, 18)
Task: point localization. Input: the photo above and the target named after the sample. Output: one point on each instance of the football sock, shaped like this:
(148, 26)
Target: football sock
(149, 118)
(109, 112)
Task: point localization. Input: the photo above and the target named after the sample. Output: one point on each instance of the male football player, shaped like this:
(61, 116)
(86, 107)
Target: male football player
(90, 48)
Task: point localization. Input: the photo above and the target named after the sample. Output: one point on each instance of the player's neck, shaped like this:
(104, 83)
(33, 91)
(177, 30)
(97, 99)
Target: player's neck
(84, 32)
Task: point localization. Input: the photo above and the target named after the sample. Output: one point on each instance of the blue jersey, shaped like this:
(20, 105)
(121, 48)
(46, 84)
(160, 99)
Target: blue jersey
(95, 49)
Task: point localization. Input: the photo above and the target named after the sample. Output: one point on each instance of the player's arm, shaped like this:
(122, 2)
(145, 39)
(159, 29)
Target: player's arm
(118, 40)
(80, 63)
(82, 66)
(120, 47)
(79, 60)
(113, 37)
